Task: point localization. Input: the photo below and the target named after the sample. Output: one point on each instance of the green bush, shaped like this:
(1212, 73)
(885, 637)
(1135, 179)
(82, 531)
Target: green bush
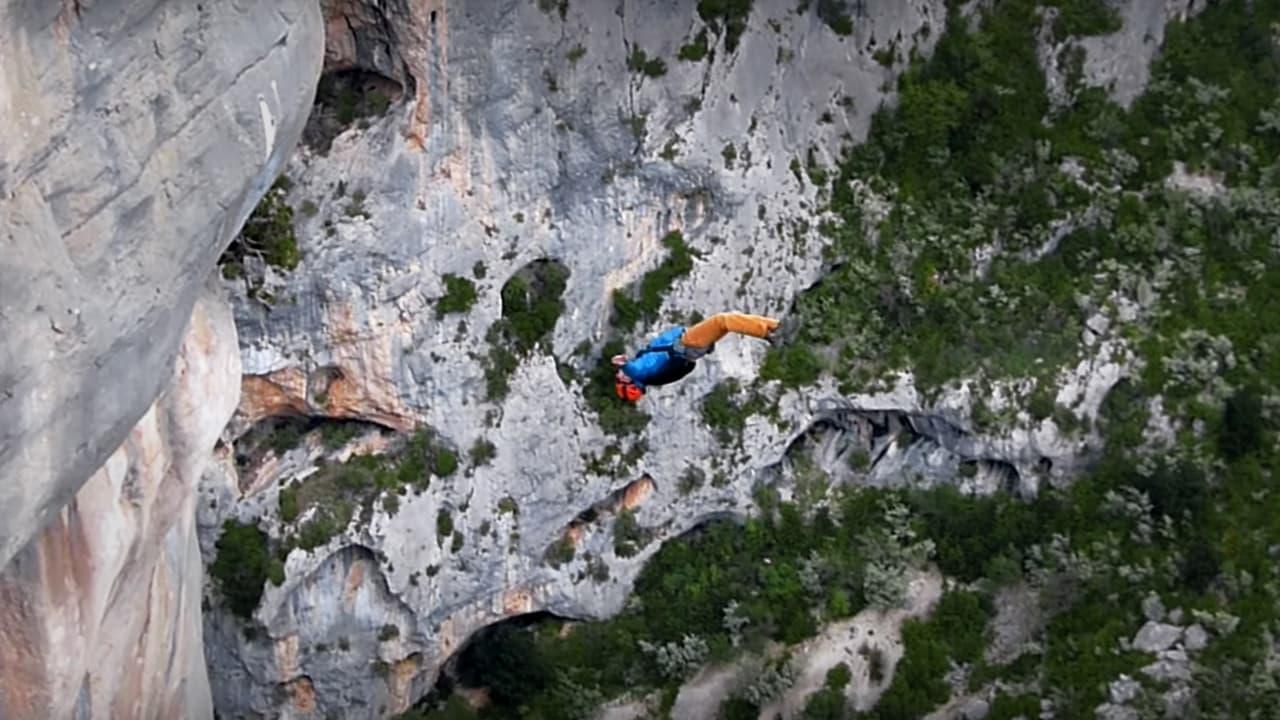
(288, 504)
(949, 518)
(482, 452)
(390, 631)
(730, 155)
(284, 436)
(268, 233)
(628, 537)
(695, 51)
(334, 435)
(737, 708)
(1009, 707)
(559, 6)
(793, 365)
(345, 98)
(455, 708)
(1242, 428)
(324, 524)
(954, 631)
(839, 676)
(692, 479)
(825, 704)
(1123, 414)
(1042, 403)
(726, 16)
(724, 415)
(1084, 17)
(337, 490)
(446, 462)
(835, 13)
(500, 364)
(459, 296)
(629, 310)
(638, 61)
(562, 551)
(444, 524)
(532, 302)
(242, 566)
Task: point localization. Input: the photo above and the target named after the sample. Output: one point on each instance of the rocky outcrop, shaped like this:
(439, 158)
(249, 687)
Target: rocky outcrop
(898, 437)
(138, 138)
(1119, 62)
(100, 612)
(479, 140)
(513, 135)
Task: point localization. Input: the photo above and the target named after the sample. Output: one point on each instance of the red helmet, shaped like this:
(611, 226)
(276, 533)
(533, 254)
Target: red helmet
(628, 391)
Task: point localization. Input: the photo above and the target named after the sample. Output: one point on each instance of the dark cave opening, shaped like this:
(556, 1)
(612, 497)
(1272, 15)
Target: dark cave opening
(345, 98)
(499, 665)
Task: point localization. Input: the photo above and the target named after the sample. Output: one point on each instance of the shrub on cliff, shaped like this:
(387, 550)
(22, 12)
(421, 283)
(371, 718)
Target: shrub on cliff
(242, 565)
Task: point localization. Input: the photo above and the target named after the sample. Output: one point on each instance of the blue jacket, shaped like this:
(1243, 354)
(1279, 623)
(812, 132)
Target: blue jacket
(659, 363)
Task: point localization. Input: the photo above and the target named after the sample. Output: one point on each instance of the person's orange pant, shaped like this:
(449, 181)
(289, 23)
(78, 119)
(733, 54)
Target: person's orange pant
(706, 333)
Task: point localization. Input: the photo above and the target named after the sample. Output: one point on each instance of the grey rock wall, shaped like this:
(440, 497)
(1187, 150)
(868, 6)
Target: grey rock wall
(135, 138)
(504, 149)
(100, 612)
(517, 134)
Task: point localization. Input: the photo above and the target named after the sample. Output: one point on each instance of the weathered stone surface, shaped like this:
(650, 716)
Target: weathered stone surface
(521, 136)
(854, 642)
(1172, 666)
(1177, 701)
(1108, 711)
(100, 612)
(503, 150)
(1154, 637)
(1195, 638)
(972, 709)
(1153, 608)
(137, 137)
(1124, 690)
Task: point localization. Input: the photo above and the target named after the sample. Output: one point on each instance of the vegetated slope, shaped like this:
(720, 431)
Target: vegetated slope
(1167, 215)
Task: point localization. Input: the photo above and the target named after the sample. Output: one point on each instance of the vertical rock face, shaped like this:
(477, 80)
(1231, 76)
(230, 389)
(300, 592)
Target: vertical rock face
(515, 135)
(135, 138)
(497, 135)
(100, 612)
(1120, 62)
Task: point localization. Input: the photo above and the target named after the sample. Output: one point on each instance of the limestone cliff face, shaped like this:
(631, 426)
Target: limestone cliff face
(137, 137)
(515, 135)
(100, 612)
